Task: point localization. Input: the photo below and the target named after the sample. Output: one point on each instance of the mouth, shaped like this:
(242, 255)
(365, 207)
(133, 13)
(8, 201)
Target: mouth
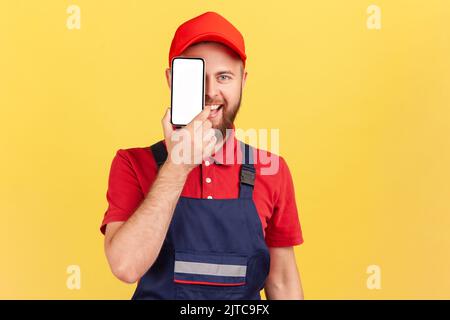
(215, 109)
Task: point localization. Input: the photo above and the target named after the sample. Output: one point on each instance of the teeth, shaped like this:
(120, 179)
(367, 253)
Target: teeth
(214, 106)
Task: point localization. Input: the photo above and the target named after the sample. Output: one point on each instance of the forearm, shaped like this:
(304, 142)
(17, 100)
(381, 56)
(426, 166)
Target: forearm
(135, 246)
(287, 290)
(283, 281)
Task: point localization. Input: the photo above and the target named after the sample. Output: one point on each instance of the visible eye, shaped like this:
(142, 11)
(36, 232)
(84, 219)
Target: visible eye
(224, 77)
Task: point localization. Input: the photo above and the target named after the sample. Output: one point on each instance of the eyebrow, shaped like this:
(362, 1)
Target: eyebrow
(224, 71)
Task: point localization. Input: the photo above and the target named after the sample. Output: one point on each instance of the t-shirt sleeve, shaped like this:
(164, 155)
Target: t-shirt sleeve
(124, 193)
(283, 228)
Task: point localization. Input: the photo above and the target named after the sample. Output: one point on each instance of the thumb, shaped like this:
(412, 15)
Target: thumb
(167, 126)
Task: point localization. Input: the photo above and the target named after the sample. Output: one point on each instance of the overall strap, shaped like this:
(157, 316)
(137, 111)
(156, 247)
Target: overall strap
(248, 172)
(159, 152)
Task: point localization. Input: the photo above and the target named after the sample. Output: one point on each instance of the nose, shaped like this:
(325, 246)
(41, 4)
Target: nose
(211, 90)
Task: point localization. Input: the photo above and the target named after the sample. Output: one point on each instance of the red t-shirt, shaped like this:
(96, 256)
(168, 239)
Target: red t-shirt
(134, 170)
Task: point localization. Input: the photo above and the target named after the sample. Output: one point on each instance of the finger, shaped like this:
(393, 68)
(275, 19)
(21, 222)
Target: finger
(208, 134)
(202, 116)
(167, 126)
(206, 126)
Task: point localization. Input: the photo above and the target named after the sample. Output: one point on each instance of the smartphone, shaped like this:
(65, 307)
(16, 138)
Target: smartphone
(187, 89)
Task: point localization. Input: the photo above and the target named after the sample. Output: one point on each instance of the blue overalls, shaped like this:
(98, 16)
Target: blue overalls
(214, 248)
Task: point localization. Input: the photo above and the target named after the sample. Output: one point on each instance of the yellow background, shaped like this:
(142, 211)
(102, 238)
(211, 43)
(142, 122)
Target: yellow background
(363, 118)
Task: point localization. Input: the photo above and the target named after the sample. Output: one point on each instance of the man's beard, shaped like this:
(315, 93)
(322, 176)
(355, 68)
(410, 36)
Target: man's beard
(228, 116)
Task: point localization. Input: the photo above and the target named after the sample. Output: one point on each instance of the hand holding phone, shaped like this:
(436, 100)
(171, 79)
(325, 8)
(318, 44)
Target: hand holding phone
(200, 146)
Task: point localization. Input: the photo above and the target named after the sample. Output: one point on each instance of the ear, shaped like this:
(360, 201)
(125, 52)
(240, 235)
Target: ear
(244, 79)
(168, 76)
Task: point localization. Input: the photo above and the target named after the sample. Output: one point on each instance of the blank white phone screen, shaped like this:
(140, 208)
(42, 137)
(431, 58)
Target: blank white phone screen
(187, 89)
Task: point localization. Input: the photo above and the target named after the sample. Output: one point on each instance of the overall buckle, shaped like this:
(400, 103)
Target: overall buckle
(248, 177)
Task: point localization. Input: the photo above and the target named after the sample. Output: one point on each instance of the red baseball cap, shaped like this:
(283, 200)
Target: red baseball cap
(209, 26)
